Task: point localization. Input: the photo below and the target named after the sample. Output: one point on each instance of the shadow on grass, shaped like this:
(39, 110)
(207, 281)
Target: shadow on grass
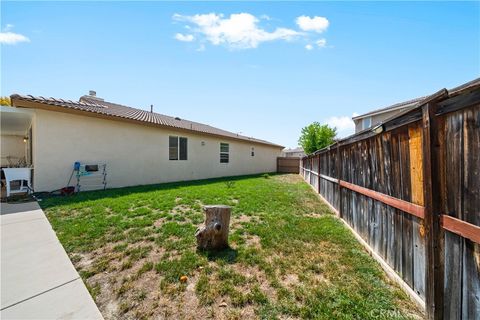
(227, 255)
(52, 201)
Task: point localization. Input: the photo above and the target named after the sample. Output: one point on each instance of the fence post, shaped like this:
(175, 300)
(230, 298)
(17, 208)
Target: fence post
(318, 176)
(312, 179)
(303, 168)
(434, 264)
(339, 177)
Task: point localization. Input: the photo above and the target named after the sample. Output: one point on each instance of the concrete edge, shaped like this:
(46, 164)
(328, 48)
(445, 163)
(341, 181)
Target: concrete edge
(78, 279)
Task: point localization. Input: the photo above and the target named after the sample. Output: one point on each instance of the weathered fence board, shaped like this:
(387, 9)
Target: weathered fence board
(471, 212)
(393, 187)
(454, 243)
(288, 165)
(407, 223)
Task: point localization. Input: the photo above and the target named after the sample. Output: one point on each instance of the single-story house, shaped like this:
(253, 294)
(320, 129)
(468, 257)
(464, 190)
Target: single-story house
(137, 147)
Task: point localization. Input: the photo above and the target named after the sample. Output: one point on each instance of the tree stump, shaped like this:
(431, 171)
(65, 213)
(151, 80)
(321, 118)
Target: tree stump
(213, 235)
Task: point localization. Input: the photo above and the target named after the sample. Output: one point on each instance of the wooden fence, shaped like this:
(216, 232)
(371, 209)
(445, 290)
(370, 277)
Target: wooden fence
(410, 188)
(288, 164)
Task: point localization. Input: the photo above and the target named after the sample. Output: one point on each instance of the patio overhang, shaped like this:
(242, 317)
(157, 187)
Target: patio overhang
(15, 121)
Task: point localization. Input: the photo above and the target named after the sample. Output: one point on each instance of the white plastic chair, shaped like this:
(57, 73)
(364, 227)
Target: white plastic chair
(17, 174)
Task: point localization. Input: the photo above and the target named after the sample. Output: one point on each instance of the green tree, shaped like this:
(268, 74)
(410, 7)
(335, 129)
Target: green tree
(316, 136)
(5, 101)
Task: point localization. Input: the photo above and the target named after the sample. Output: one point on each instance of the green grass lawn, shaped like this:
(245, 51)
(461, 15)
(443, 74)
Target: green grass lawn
(289, 256)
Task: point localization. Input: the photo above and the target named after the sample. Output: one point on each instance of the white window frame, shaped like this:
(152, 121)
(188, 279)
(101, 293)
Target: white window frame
(365, 121)
(178, 138)
(225, 153)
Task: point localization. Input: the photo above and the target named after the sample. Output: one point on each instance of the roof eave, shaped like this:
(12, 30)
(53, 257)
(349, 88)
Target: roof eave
(375, 113)
(20, 102)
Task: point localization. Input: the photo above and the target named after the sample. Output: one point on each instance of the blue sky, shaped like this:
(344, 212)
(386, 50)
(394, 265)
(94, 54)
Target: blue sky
(262, 69)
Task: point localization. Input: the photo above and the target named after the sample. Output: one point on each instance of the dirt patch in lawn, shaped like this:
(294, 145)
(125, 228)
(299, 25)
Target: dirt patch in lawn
(288, 258)
(159, 222)
(288, 178)
(290, 280)
(237, 222)
(314, 215)
(180, 209)
(128, 287)
(253, 241)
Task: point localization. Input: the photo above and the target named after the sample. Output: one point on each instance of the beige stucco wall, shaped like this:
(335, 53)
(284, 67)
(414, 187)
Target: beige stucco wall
(11, 145)
(377, 119)
(135, 154)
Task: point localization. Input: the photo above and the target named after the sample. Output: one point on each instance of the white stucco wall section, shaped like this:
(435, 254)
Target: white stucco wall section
(135, 154)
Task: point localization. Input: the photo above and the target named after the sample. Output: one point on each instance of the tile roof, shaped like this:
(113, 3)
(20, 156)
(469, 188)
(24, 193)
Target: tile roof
(99, 106)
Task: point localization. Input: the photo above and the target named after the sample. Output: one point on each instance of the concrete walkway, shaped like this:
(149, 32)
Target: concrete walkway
(38, 280)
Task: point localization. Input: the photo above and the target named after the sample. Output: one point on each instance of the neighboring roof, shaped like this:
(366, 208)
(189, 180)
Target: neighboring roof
(95, 105)
(299, 149)
(410, 104)
(415, 113)
(465, 86)
(401, 105)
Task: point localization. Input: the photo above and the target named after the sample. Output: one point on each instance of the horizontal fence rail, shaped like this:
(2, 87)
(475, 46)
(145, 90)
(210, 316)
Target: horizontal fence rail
(334, 180)
(462, 228)
(394, 186)
(405, 206)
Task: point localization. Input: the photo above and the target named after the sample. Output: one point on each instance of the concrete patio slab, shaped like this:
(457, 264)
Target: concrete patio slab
(38, 279)
(60, 303)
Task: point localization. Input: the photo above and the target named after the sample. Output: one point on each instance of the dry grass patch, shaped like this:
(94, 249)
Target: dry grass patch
(289, 257)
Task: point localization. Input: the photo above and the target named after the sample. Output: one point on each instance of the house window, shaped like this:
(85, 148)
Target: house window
(177, 148)
(253, 152)
(183, 148)
(224, 152)
(366, 122)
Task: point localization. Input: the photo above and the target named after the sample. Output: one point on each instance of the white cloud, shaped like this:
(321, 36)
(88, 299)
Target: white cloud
(12, 38)
(9, 37)
(317, 24)
(344, 124)
(184, 37)
(238, 31)
(321, 43)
